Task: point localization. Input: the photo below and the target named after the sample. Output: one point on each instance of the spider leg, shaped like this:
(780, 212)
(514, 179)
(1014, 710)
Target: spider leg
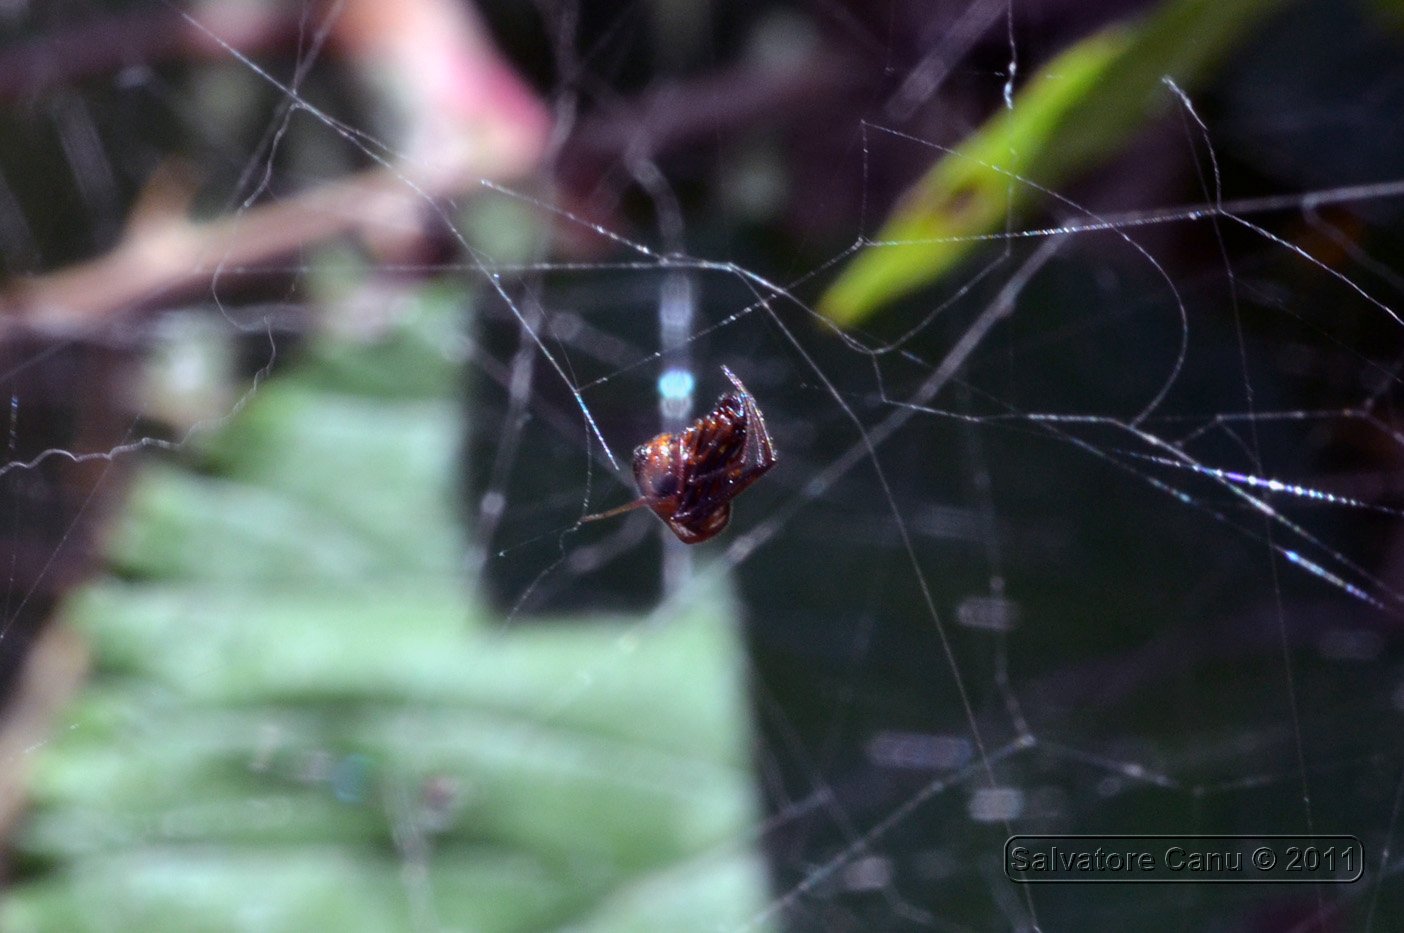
(759, 452)
(617, 510)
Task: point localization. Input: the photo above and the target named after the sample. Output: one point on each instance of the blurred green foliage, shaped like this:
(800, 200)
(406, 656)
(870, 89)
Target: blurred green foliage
(299, 719)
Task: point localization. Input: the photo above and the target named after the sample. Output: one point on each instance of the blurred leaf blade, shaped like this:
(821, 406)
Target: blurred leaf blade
(1077, 112)
(297, 706)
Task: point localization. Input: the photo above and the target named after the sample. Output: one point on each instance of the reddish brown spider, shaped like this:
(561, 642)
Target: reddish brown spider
(689, 479)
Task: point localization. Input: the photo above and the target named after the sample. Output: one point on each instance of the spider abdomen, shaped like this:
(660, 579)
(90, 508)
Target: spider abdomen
(689, 479)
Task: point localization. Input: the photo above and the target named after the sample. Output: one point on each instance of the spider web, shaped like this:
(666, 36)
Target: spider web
(1096, 535)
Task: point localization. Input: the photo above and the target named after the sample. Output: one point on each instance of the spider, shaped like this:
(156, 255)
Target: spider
(689, 479)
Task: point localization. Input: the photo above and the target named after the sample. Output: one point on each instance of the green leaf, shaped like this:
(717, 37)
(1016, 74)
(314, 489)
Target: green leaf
(1077, 112)
(420, 358)
(296, 888)
(300, 720)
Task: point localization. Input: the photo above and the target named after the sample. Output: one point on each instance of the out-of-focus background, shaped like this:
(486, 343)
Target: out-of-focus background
(323, 323)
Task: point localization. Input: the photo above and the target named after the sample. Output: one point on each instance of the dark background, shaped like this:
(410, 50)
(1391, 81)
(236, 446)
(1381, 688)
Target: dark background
(1169, 668)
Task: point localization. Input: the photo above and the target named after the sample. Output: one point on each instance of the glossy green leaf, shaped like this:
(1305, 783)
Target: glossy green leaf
(1077, 112)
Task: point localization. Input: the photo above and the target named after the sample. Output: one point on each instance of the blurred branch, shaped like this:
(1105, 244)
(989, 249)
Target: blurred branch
(103, 45)
(52, 673)
(499, 134)
(464, 116)
(165, 262)
(695, 111)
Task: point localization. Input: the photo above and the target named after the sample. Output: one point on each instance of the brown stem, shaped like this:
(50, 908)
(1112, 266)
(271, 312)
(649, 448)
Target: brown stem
(162, 262)
(179, 259)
